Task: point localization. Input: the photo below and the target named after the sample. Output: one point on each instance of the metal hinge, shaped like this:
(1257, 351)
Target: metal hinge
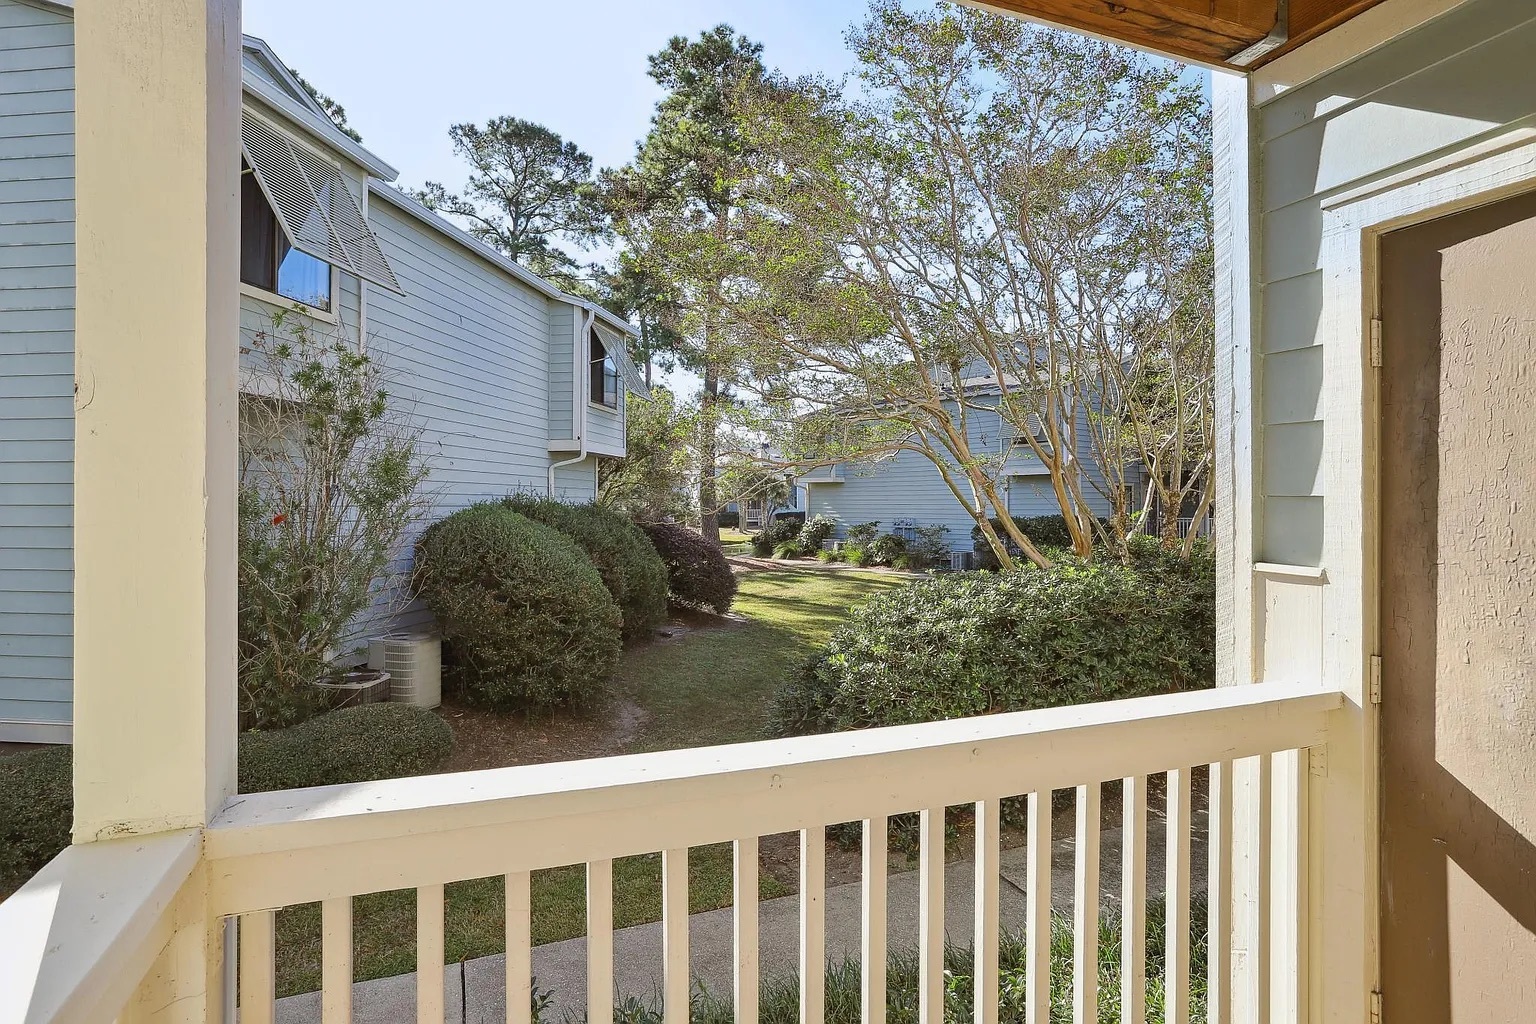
(1375, 341)
(1376, 1007)
(1375, 682)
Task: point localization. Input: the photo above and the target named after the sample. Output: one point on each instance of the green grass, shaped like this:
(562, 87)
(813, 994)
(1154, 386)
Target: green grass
(714, 686)
(710, 686)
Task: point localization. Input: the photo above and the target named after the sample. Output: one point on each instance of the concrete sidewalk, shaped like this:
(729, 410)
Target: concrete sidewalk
(560, 967)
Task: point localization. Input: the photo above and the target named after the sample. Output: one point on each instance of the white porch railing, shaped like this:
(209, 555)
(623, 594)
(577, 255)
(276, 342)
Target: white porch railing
(89, 928)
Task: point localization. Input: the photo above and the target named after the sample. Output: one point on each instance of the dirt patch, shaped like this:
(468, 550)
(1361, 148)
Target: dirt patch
(488, 739)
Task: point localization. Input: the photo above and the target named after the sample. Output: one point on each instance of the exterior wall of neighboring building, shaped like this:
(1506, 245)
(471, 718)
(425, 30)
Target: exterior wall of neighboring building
(907, 485)
(37, 375)
(473, 347)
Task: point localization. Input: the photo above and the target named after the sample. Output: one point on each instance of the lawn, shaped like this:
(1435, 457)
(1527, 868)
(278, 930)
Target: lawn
(709, 684)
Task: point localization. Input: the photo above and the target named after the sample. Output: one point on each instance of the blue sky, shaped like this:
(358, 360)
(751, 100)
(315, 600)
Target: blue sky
(406, 72)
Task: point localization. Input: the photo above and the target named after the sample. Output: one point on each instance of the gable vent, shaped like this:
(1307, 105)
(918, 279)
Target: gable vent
(312, 202)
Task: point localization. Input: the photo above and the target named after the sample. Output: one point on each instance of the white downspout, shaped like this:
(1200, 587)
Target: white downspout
(579, 409)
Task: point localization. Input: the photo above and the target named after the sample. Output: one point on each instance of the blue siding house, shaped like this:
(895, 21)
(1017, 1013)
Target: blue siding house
(906, 490)
(518, 386)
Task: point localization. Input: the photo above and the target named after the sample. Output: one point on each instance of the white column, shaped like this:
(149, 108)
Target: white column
(157, 92)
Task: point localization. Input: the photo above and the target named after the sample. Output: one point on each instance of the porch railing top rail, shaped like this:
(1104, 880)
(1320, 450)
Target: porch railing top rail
(276, 849)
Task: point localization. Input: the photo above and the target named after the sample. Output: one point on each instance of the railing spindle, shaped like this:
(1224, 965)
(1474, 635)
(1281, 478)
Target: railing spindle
(930, 928)
(336, 960)
(1038, 911)
(745, 936)
(519, 950)
(813, 938)
(872, 945)
(988, 868)
(674, 935)
(1133, 901)
(1176, 895)
(429, 954)
(1262, 947)
(600, 942)
(258, 950)
(1219, 903)
(1085, 908)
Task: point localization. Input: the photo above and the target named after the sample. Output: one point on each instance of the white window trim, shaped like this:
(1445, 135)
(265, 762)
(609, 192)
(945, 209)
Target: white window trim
(329, 316)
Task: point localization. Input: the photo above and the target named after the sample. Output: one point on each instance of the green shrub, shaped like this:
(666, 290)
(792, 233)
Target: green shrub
(729, 520)
(526, 620)
(361, 744)
(929, 549)
(36, 811)
(625, 558)
(829, 556)
(858, 556)
(779, 531)
(976, 643)
(862, 535)
(789, 549)
(816, 532)
(886, 549)
(1042, 531)
(698, 575)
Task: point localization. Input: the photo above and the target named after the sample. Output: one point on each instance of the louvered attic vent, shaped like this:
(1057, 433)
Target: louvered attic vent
(310, 197)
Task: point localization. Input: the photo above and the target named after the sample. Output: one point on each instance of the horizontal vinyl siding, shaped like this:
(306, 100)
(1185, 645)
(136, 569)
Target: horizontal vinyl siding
(605, 426)
(469, 347)
(1449, 85)
(910, 486)
(37, 300)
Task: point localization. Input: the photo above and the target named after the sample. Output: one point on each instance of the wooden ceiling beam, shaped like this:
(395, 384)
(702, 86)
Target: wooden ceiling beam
(1205, 31)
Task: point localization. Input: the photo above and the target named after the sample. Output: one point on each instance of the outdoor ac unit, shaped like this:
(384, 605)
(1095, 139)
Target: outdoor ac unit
(959, 561)
(414, 662)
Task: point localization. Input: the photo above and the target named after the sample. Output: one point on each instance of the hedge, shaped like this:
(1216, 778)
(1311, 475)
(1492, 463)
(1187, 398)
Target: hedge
(625, 558)
(977, 643)
(698, 575)
(36, 811)
(363, 744)
(525, 618)
(1043, 532)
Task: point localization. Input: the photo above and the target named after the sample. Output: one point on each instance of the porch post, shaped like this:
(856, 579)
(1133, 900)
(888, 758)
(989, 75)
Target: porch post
(157, 94)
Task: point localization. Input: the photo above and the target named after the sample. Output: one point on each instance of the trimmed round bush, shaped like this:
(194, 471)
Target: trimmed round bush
(698, 575)
(361, 744)
(625, 558)
(977, 643)
(526, 620)
(36, 811)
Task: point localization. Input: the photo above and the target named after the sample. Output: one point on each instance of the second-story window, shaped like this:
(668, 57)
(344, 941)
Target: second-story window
(603, 383)
(268, 261)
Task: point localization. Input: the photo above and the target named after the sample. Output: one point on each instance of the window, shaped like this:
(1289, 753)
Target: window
(603, 385)
(267, 260)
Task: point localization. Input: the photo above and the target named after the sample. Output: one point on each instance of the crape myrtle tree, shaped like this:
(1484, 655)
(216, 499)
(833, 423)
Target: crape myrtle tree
(679, 198)
(991, 219)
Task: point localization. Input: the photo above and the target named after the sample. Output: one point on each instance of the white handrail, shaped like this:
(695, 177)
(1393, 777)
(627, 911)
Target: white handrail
(81, 934)
(276, 849)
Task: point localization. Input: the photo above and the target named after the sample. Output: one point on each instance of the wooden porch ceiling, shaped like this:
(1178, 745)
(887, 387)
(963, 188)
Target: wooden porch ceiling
(1235, 34)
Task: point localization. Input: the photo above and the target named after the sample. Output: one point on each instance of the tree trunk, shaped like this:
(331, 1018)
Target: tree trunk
(709, 507)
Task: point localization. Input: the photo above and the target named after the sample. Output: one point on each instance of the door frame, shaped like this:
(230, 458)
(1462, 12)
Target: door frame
(1355, 222)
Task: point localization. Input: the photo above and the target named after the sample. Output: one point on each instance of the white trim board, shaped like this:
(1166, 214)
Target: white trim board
(17, 731)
